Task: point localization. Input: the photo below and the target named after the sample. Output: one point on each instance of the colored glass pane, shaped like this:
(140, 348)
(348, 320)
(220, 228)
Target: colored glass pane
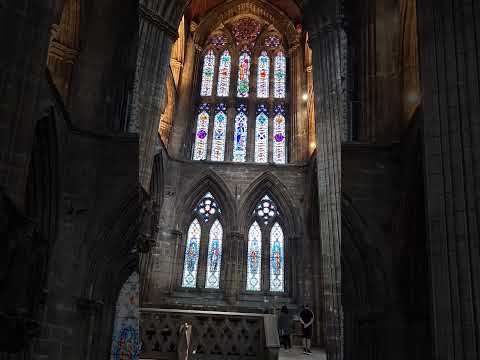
(263, 75)
(254, 258)
(219, 134)
(126, 339)
(276, 259)
(245, 31)
(207, 74)
(261, 135)
(207, 207)
(279, 149)
(280, 69)
(214, 260)
(192, 251)
(224, 74)
(201, 136)
(240, 135)
(272, 41)
(219, 41)
(266, 209)
(243, 87)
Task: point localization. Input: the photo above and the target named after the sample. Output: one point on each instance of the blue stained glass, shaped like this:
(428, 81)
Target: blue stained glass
(277, 259)
(219, 133)
(279, 136)
(214, 260)
(240, 134)
(254, 258)
(192, 251)
(263, 75)
(261, 135)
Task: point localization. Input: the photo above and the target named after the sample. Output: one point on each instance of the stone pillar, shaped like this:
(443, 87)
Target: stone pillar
(155, 38)
(24, 37)
(327, 45)
(233, 266)
(180, 140)
(299, 124)
(449, 39)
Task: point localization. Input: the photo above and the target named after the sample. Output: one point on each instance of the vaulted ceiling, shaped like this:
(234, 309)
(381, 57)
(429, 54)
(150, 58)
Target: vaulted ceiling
(198, 8)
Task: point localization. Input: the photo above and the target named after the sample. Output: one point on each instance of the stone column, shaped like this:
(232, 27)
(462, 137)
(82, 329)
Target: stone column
(24, 37)
(449, 39)
(233, 266)
(327, 44)
(156, 36)
(299, 125)
(180, 140)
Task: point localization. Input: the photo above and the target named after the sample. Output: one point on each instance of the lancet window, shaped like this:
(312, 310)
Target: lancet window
(244, 66)
(204, 245)
(265, 236)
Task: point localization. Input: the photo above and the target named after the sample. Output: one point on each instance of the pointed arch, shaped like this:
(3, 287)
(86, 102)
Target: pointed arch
(209, 182)
(268, 184)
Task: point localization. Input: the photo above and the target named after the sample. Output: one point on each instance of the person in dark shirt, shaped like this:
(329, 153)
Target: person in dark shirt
(284, 328)
(306, 318)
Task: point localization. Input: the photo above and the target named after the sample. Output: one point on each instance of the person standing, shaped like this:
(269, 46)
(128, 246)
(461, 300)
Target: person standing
(183, 346)
(284, 328)
(306, 318)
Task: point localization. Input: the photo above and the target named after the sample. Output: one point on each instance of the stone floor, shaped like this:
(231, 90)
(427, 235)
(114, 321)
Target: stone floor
(297, 353)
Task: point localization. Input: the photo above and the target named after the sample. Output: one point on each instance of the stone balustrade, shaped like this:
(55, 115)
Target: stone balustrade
(215, 335)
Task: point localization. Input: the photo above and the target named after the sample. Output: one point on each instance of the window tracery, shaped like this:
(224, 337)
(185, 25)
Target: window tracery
(261, 233)
(247, 54)
(206, 223)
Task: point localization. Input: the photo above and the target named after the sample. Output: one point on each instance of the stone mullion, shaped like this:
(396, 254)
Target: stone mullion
(155, 40)
(448, 43)
(330, 112)
(231, 272)
(203, 255)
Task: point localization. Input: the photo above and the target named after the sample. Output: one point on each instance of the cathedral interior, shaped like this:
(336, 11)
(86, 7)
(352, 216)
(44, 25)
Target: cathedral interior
(210, 162)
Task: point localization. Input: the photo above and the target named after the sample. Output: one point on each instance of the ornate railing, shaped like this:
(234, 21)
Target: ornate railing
(215, 335)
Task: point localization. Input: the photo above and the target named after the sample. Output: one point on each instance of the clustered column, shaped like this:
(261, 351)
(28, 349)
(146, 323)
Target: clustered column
(449, 39)
(156, 36)
(328, 45)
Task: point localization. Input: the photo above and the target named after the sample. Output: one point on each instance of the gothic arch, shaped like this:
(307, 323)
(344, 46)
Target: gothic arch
(364, 288)
(259, 9)
(269, 184)
(210, 182)
(113, 259)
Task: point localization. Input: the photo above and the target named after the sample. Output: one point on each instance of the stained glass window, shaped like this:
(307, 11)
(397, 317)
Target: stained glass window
(254, 258)
(207, 74)
(219, 133)
(207, 207)
(201, 135)
(272, 41)
(266, 209)
(240, 135)
(126, 339)
(279, 148)
(243, 87)
(276, 259)
(261, 134)
(263, 75)
(245, 31)
(224, 74)
(214, 260)
(280, 70)
(192, 252)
